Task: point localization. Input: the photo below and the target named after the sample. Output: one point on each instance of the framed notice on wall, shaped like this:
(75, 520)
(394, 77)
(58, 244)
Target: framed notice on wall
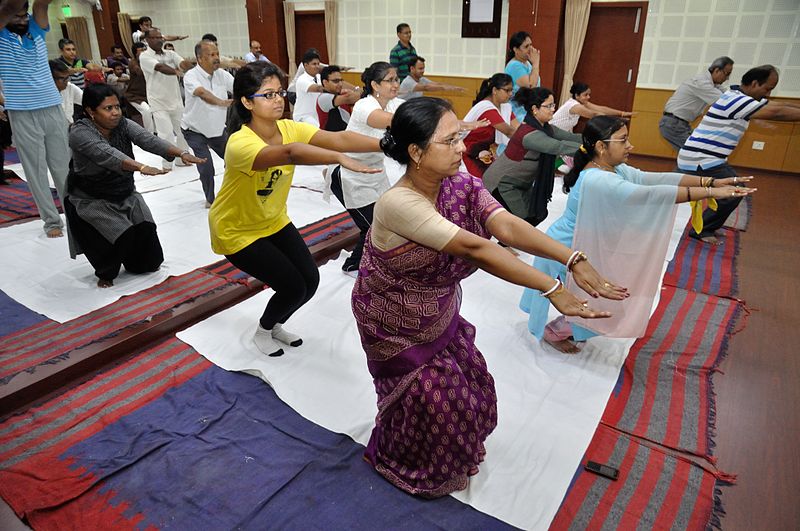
(481, 18)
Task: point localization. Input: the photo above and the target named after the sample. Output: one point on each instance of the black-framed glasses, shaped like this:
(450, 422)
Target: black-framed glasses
(270, 95)
(391, 80)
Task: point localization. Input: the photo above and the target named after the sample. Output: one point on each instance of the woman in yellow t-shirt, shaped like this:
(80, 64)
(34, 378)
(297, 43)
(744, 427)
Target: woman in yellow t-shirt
(248, 220)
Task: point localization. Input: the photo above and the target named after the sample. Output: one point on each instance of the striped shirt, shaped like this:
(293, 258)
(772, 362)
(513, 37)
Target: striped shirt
(400, 58)
(27, 82)
(719, 131)
(78, 78)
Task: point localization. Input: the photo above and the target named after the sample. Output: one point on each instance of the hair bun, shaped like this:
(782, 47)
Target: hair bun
(387, 143)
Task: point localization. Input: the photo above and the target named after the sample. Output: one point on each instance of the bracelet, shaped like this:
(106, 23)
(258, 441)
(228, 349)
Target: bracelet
(708, 192)
(577, 256)
(735, 180)
(184, 152)
(688, 193)
(556, 289)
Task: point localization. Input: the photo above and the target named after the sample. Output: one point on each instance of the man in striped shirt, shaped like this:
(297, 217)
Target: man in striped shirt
(707, 149)
(402, 55)
(33, 105)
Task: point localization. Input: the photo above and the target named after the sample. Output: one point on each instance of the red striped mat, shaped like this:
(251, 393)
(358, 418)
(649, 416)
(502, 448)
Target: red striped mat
(664, 393)
(16, 201)
(49, 342)
(706, 268)
(655, 490)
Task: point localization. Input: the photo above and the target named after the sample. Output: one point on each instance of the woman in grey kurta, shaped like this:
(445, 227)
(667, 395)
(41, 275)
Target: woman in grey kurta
(107, 219)
(522, 177)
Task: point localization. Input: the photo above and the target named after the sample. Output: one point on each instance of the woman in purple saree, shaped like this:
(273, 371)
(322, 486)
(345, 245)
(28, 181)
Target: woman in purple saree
(436, 398)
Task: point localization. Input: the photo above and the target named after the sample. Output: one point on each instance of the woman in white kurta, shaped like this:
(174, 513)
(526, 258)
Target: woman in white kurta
(371, 116)
(622, 218)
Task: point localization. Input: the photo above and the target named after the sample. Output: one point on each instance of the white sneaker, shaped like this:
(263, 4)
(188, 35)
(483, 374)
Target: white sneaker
(265, 343)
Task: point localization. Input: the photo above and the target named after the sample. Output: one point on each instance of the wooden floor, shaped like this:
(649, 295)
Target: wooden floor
(758, 396)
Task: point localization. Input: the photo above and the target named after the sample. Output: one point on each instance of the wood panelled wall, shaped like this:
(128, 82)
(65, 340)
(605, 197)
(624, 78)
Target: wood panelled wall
(781, 139)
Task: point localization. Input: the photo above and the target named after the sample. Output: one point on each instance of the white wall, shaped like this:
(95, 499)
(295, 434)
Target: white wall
(682, 37)
(367, 32)
(226, 19)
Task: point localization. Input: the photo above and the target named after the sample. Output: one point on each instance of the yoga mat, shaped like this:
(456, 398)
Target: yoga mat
(165, 440)
(711, 269)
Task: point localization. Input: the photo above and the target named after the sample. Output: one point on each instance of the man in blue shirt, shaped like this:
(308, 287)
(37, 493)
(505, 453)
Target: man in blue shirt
(33, 105)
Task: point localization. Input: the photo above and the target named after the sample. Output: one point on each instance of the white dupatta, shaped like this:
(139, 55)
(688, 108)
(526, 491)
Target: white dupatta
(623, 225)
(485, 105)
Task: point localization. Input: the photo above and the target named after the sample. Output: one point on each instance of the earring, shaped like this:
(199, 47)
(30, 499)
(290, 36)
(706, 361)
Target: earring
(418, 164)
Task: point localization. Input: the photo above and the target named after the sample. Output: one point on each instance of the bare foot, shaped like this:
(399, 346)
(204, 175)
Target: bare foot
(712, 240)
(54, 233)
(101, 283)
(565, 345)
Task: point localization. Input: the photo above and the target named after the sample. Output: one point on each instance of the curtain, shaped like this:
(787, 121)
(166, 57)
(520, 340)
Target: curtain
(576, 20)
(288, 16)
(124, 21)
(78, 31)
(331, 30)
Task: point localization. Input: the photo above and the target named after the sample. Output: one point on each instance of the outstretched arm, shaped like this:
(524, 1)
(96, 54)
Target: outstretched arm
(305, 154)
(781, 112)
(344, 141)
(517, 233)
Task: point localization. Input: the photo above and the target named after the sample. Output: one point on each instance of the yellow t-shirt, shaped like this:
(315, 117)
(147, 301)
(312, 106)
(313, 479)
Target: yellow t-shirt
(252, 203)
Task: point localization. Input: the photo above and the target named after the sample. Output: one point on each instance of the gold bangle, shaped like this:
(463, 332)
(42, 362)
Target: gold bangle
(577, 256)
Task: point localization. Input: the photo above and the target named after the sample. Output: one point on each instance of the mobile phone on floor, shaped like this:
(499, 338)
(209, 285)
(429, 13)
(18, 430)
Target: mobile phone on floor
(602, 470)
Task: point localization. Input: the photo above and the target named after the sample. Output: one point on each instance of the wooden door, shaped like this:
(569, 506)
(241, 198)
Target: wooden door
(609, 60)
(309, 32)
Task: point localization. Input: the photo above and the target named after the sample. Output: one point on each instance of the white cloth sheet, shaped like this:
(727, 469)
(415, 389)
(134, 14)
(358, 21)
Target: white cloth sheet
(549, 404)
(38, 273)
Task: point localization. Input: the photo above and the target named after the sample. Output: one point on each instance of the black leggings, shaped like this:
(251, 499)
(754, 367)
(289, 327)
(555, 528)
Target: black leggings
(361, 216)
(138, 248)
(284, 263)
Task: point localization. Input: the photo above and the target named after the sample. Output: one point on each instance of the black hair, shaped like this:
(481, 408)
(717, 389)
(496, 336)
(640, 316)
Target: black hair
(64, 42)
(248, 80)
(759, 74)
(94, 94)
(578, 88)
(497, 81)
(597, 129)
(310, 55)
(57, 66)
(142, 20)
(327, 71)
(209, 37)
(515, 42)
(138, 46)
(530, 97)
(402, 26)
(720, 63)
(374, 72)
(113, 64)
(115, 46)
(414, 58)
(414, 122)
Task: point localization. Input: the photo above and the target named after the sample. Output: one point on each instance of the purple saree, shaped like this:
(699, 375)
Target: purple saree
(436, 398)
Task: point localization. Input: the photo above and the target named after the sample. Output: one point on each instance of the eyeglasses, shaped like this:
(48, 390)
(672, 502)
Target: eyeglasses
(454, 141)
(391, 80)
(623, 139)
(270, 95)
(550, 106)
(507, 89)
(335, 80)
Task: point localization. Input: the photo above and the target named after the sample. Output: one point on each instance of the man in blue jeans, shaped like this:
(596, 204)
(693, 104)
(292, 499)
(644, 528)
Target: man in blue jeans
(723, 126)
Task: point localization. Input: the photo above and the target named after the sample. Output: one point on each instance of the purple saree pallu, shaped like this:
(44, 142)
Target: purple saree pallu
(436, 398)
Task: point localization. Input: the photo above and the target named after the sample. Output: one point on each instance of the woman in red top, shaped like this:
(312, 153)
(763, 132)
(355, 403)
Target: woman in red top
(484, 144)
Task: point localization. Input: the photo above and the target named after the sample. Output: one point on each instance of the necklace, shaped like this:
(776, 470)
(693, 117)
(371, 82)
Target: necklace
(605, 168)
